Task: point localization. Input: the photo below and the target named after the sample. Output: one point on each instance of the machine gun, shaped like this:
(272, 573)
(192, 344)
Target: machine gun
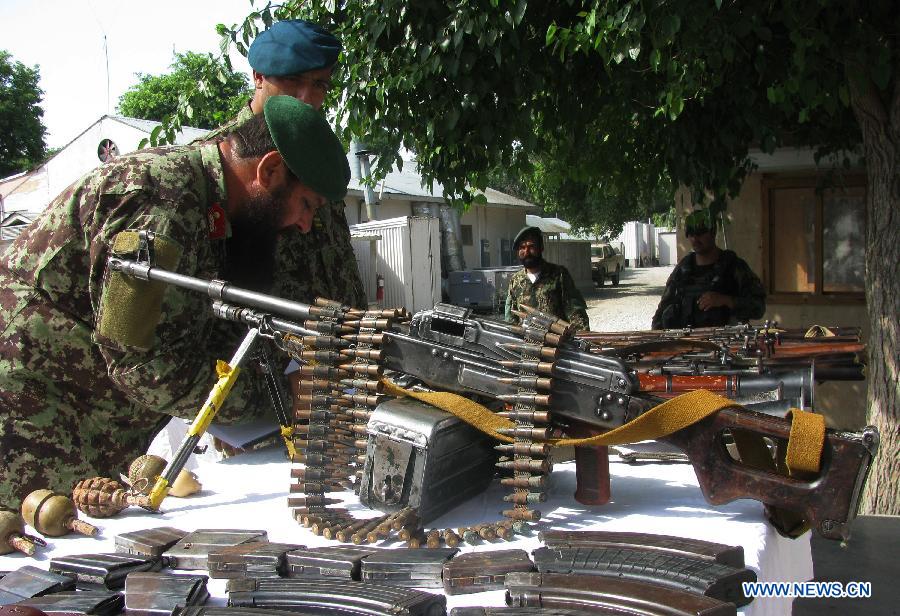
(542, 379)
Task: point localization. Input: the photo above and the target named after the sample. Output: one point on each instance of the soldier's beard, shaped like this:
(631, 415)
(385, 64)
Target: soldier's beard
(250, 251)
(532, 262)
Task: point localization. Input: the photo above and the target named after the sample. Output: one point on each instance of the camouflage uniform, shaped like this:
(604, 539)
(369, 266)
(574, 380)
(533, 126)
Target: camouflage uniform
(75, 402)
(320, 263)
(729, 275)
(554, 292)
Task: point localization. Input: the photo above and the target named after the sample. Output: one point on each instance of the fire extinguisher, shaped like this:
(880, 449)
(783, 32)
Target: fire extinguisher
(379, 288)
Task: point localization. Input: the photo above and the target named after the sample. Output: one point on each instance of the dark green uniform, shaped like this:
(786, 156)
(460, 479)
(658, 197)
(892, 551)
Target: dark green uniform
(87, 378)
(320, 263)
(729, 275)
(553, 292)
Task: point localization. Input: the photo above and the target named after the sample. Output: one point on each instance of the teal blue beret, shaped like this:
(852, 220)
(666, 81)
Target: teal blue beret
(293, 46)
(309, 147)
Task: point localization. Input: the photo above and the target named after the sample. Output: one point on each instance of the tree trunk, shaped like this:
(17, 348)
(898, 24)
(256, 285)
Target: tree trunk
(879, 120)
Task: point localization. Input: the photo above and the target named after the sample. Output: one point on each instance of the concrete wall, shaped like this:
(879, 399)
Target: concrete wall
(494, 224)
(842, 403)
(575, 255)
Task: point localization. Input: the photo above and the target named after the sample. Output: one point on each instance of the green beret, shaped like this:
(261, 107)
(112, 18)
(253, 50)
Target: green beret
(293, 46)
(309, 147)
(529, 232)
(699, 222)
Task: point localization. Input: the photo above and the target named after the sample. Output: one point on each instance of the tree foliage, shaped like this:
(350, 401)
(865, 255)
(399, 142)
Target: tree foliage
(626, 98)
(21, 131)
(209, 92)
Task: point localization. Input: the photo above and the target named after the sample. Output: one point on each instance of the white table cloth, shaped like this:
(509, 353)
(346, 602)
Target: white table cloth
(250, 491)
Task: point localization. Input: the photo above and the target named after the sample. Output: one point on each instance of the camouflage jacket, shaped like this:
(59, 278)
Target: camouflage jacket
(729, 275)
(320, 263)
(91, 364)
(554, 292)
(216, 134)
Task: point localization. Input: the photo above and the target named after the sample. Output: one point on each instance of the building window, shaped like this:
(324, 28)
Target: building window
(485, 253)
(506, 256)
(466, 232)
(816, 239)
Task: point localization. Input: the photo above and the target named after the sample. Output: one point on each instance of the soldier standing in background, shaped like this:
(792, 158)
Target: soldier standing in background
(709, 287)
(542, 285)
(296, 58)
(93, 363)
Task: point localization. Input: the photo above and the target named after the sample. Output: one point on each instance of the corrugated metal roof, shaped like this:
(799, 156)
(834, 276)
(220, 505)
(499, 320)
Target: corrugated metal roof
(408, 184)
(9, 184)
(548, 225)
(185, 135)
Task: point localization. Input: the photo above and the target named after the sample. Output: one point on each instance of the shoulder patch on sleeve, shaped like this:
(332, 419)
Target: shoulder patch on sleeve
(130, 309)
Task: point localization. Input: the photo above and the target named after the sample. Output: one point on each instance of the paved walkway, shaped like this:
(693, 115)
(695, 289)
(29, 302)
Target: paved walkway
(631, 304)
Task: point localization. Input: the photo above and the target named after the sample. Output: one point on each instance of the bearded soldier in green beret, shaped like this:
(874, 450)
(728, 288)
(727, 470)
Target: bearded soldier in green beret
(296, 58)
(92, 365)
(543, 285)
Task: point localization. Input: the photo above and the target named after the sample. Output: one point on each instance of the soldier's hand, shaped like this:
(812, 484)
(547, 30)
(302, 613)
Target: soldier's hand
(712, 299)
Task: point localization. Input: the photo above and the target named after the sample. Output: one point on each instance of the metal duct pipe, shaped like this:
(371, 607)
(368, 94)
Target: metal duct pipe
(451, 242)
(361, 170)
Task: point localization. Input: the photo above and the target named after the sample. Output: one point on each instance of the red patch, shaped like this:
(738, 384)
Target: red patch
(217, 227)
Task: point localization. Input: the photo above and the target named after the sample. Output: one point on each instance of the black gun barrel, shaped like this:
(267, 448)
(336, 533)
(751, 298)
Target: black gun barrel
(218, 290)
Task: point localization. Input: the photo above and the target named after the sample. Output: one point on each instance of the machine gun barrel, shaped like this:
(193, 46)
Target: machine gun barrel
(221, 291)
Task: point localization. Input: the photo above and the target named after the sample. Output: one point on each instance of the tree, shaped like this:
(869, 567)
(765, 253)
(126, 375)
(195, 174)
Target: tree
(155, 97)
(623, 94)
(21, 131)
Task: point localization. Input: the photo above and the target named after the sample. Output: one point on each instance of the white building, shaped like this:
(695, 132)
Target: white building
(27, 194)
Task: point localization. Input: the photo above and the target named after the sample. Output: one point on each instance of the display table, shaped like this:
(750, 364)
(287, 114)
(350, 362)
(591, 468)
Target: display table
(250, 491)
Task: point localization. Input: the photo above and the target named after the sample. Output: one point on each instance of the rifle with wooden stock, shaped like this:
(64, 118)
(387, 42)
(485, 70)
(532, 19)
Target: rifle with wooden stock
(535, 374)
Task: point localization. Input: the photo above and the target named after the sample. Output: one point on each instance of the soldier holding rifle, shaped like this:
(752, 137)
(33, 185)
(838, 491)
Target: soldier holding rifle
(543, 285)
(94, 363)
(710, 286)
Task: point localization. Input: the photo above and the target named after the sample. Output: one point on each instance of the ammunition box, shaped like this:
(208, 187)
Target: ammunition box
(413, 567)
(421, 457)
(192, 551)
(479, 571)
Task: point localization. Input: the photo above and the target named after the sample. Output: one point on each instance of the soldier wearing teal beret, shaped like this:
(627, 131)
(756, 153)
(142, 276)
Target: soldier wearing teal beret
(93, 364)
(296, 58)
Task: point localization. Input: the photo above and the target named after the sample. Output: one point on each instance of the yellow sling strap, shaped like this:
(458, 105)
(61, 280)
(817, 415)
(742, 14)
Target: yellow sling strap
(818, 331)
(804, 446)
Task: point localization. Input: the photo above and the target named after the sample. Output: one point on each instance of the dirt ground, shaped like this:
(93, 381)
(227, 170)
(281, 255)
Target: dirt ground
(631, 304)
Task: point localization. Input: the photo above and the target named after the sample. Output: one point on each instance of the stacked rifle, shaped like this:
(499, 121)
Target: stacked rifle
(671, 361)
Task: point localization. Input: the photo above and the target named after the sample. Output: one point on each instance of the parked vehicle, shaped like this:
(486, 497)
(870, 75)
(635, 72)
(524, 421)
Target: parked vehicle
(606, 262)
